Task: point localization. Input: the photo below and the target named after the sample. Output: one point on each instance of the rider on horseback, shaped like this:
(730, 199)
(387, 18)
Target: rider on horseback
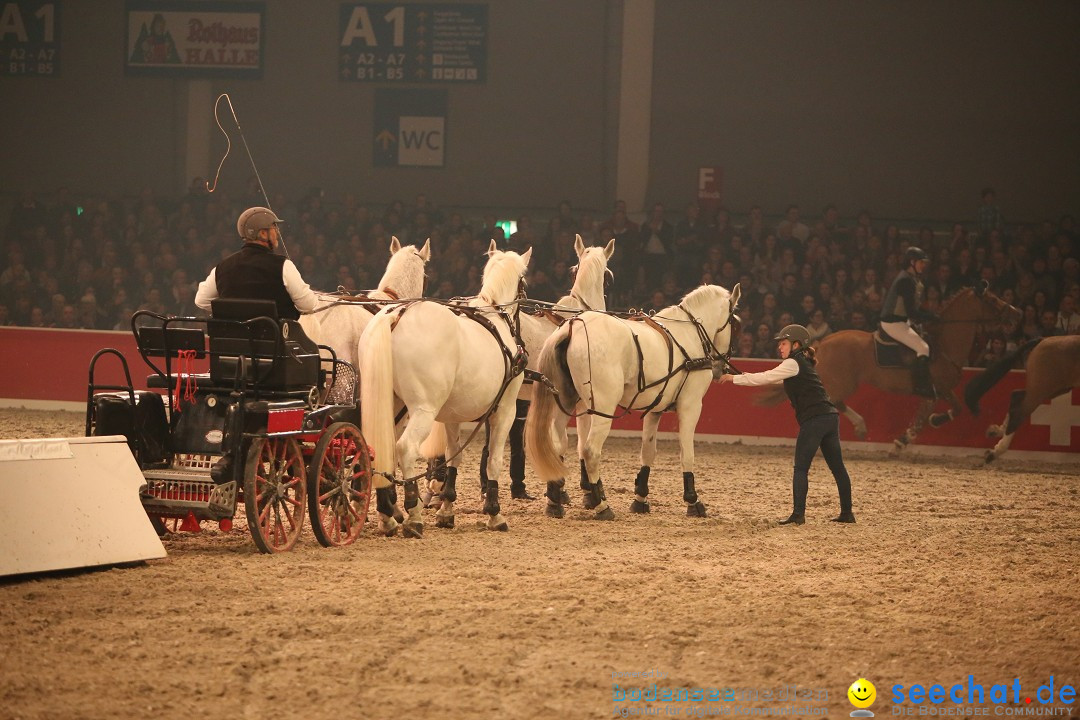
(902, 305)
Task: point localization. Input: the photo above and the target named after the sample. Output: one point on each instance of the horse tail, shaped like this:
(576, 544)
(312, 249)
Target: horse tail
(989, 377)
(434, 444)
(539, 438)
(377, 391)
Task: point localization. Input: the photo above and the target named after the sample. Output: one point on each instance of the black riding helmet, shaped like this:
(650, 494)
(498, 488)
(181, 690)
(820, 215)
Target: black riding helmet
(796, 334)
(914, 254)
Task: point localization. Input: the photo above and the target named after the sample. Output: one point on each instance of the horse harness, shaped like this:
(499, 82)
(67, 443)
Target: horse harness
(710, 356)
(514, 362)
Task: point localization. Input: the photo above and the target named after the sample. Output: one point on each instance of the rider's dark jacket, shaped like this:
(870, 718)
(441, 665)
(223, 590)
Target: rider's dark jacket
(904, 300)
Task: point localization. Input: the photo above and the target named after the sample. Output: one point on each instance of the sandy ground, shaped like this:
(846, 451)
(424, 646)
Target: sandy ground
(953, 570)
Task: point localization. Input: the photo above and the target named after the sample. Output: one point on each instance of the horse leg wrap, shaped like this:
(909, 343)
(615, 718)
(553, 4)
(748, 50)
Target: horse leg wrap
(412, 495)
(689, 494)
(641, 484)
(483, 470)
(449, 491)
(584, 476)
(385, 505)
(694, 506)
(640, 504)
(491, 499)
(939, 419)
(554, 496)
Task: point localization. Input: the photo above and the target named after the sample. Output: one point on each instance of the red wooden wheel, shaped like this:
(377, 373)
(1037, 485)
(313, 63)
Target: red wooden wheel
(275, 490)
(340, 485)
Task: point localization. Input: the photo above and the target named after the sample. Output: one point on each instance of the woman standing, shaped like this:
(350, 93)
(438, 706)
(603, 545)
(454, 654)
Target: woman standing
(817, 416)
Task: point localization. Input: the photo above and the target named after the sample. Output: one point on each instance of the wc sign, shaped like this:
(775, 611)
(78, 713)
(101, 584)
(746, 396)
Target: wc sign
(410, 128)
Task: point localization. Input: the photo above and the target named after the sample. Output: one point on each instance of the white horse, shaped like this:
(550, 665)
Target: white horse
(587, 293)
(648, 364)
(444, 363)
(338, 323)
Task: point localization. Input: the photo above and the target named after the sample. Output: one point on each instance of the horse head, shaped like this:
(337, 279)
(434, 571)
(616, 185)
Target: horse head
(404, 276)
(591, 274)
(980, 306)
(504, 275)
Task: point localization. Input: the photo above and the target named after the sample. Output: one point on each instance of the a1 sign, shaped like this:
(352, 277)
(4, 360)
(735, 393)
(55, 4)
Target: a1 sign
(710, 187)
(30, 38)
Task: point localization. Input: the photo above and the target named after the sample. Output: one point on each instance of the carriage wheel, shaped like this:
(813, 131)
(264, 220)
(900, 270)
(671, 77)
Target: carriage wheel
(275, 488)
(340, 485)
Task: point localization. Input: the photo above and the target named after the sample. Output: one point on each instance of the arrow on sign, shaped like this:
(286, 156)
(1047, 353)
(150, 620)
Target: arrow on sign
(386, 139)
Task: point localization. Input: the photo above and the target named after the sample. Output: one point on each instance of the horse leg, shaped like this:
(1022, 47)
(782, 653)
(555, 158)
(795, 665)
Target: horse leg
(484, 457)
(498, 428)
(584, 424)
(444, 518)
(856, 419)
(408, 449)
(917, 423)
(688, 419)
(556, 489)
(939, 419)
(648, 453)
(1008, 426)
(384, 504)
(599, 429)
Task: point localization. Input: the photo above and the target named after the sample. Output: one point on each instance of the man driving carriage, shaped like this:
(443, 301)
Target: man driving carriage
(257, 272)
(903, 304)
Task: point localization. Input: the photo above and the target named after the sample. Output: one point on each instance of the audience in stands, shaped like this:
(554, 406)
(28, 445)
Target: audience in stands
(91, 264)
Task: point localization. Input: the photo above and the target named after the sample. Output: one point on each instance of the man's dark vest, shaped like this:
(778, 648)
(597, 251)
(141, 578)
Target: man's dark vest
(255, 272)
(894, 308)
(805, 391)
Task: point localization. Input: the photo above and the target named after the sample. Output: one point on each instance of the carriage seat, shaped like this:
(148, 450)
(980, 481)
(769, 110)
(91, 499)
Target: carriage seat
(279, 355)
(162, 341)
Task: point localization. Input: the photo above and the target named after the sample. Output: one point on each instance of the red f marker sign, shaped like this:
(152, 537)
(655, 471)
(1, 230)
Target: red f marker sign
(709, 188)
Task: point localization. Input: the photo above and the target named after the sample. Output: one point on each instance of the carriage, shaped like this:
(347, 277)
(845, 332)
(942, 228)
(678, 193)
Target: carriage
(272, 423)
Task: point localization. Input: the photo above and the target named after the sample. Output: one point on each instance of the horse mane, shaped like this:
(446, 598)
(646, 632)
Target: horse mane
(591, 267)
(501, 277)
(695, 299)
(946, 302)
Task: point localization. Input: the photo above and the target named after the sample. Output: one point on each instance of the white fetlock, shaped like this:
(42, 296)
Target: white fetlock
(387, 525)
(497, 522)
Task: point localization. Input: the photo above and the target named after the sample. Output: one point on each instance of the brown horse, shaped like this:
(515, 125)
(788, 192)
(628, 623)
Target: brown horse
(846, 360)
(1053, 368)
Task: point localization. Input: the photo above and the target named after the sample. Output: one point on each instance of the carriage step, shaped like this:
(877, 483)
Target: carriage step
(178, 474)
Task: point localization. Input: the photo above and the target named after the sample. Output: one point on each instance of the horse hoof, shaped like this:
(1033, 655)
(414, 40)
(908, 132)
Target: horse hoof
(989, 457)
(696, 510)
(860, 434)
(413, 530)
(444, 521)
(564, 499)
(639, 507)
(388, 527)
(899, 444)
(498, 525)
(554, 511)
(398, 515)
(589, 503)
(605, 514)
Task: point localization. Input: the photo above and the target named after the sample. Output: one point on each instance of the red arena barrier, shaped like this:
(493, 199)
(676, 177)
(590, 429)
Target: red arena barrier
(48, 368)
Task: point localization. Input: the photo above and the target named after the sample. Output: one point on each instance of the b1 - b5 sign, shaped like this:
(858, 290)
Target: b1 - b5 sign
(387, 43)
(30, 38)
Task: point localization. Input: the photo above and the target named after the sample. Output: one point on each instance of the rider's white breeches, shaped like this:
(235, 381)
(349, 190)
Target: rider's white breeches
(904, 333)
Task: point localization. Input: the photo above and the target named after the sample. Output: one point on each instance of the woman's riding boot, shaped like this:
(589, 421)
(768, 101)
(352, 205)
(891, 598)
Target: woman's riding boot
(921, 382)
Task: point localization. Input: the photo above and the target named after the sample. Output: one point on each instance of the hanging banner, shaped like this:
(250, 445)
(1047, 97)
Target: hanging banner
(30, 38)
(388, 43)
(194, 39)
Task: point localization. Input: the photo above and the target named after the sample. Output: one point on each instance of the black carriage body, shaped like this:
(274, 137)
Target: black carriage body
(192, 433)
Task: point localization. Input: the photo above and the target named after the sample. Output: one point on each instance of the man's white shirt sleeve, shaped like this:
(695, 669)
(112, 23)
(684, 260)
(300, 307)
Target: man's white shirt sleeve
(302, 295)
(786, 369)
(207, 291)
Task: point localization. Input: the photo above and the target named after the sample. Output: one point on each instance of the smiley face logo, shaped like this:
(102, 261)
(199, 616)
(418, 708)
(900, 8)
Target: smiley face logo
(862, 693)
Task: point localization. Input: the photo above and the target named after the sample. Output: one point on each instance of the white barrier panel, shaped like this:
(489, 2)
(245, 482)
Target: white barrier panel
(69, 503)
